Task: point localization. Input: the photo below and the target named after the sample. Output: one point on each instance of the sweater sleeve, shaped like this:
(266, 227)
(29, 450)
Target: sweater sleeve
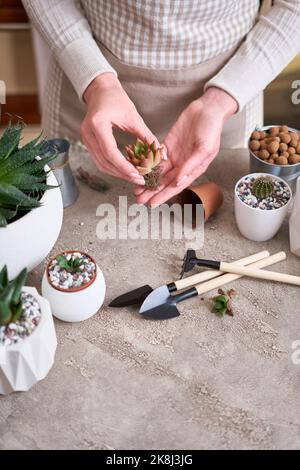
(268, 48)
(66, 31)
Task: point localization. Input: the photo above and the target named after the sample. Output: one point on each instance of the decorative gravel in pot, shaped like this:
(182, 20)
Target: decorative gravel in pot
(71, 271)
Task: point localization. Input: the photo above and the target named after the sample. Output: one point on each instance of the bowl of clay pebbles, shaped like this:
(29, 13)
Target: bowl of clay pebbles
(74, 285)
(276, 150)
(261, 203)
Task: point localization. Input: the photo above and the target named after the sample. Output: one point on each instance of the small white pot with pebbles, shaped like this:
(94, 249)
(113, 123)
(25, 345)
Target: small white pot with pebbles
(27, 335)
(261, 205)
(74, 285)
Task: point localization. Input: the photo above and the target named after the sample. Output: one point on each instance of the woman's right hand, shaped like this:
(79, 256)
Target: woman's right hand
(108, 107)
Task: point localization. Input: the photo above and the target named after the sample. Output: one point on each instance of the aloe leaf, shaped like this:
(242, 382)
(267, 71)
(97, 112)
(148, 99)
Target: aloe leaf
(20, 179)
(7, 293)
(38, 166)
(14, 196)
(5, 313)
(17, 312)
(19, 158)
(10, 140)
(3, 277)
(18, 283)
(3, 219)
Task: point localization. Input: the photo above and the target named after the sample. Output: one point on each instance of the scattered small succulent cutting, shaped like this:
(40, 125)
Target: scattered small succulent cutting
(263, 187)
(72, 265)
(222, 303)
(22, 176)
(11, 305)
(147, 159)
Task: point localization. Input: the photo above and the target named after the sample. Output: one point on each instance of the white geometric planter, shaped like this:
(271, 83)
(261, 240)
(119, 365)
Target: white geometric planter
(75, 306)
(23, 364)
(295, 223)
(28, 240)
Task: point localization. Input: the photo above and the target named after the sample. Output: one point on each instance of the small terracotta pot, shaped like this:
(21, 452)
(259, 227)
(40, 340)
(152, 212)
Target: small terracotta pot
(73, 289)
(210, 195)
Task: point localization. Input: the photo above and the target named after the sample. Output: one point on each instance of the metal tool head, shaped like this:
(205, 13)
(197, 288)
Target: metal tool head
(157, 297)
(136, 296)
(189, 261)
(162, 312)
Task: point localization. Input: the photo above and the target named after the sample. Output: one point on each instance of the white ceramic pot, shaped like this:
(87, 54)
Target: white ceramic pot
(23, 364)
(28, 240)
(79, 305)
(257, 224)
(295, 223)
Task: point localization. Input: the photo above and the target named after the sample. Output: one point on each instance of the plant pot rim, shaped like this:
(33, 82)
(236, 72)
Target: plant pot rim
(42, 200)
(266, 128)
(36, 295)
(269, 176)
(74, 289)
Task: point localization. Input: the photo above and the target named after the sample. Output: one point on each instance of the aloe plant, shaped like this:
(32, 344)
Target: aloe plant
(72, 265)
(22, 176)
(11, 306)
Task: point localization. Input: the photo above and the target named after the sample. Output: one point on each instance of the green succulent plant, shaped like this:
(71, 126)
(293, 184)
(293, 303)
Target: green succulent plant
(262, 187)
(22, 176)
(71, 265)
(222, 303)
(147, 159)
(11, 306)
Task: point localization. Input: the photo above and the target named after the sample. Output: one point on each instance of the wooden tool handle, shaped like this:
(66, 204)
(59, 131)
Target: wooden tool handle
(260, 274)
(226, 278)
(205, 276)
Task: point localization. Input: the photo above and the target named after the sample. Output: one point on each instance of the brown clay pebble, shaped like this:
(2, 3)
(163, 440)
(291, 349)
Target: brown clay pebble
(291, 150)
(285, 137)
(294, 136)
(294, 143)
(263, 134)
(298, 148)
(263, 145)
(285, 154)
(270, 160)
(274, 131)
(264, 154)
(282, 161)
(273, 147)
(284, 129)
(274, 156)
(283, 147)
(257, 152)
(293, 159)
(255, 144)
(255, 135)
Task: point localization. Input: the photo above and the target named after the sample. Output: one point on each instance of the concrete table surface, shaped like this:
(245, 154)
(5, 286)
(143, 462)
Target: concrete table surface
(194, 382)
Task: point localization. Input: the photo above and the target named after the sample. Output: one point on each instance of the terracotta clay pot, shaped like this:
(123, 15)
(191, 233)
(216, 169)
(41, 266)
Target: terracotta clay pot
(209, 194)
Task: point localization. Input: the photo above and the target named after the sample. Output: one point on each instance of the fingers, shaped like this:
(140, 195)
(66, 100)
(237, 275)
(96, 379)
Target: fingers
(114, 158)
(172, 190)
(91, 143)
(193, 165)
(147, 194)
(166, 167)
(108, 158)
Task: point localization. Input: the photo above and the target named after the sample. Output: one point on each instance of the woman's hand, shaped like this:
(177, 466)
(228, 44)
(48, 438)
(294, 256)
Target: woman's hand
(108, 106)
(192, 143)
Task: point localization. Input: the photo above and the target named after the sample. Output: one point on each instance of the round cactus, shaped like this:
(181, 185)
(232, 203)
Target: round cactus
(263, 187)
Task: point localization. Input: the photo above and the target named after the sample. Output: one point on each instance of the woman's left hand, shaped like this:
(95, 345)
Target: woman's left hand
(192, 143)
